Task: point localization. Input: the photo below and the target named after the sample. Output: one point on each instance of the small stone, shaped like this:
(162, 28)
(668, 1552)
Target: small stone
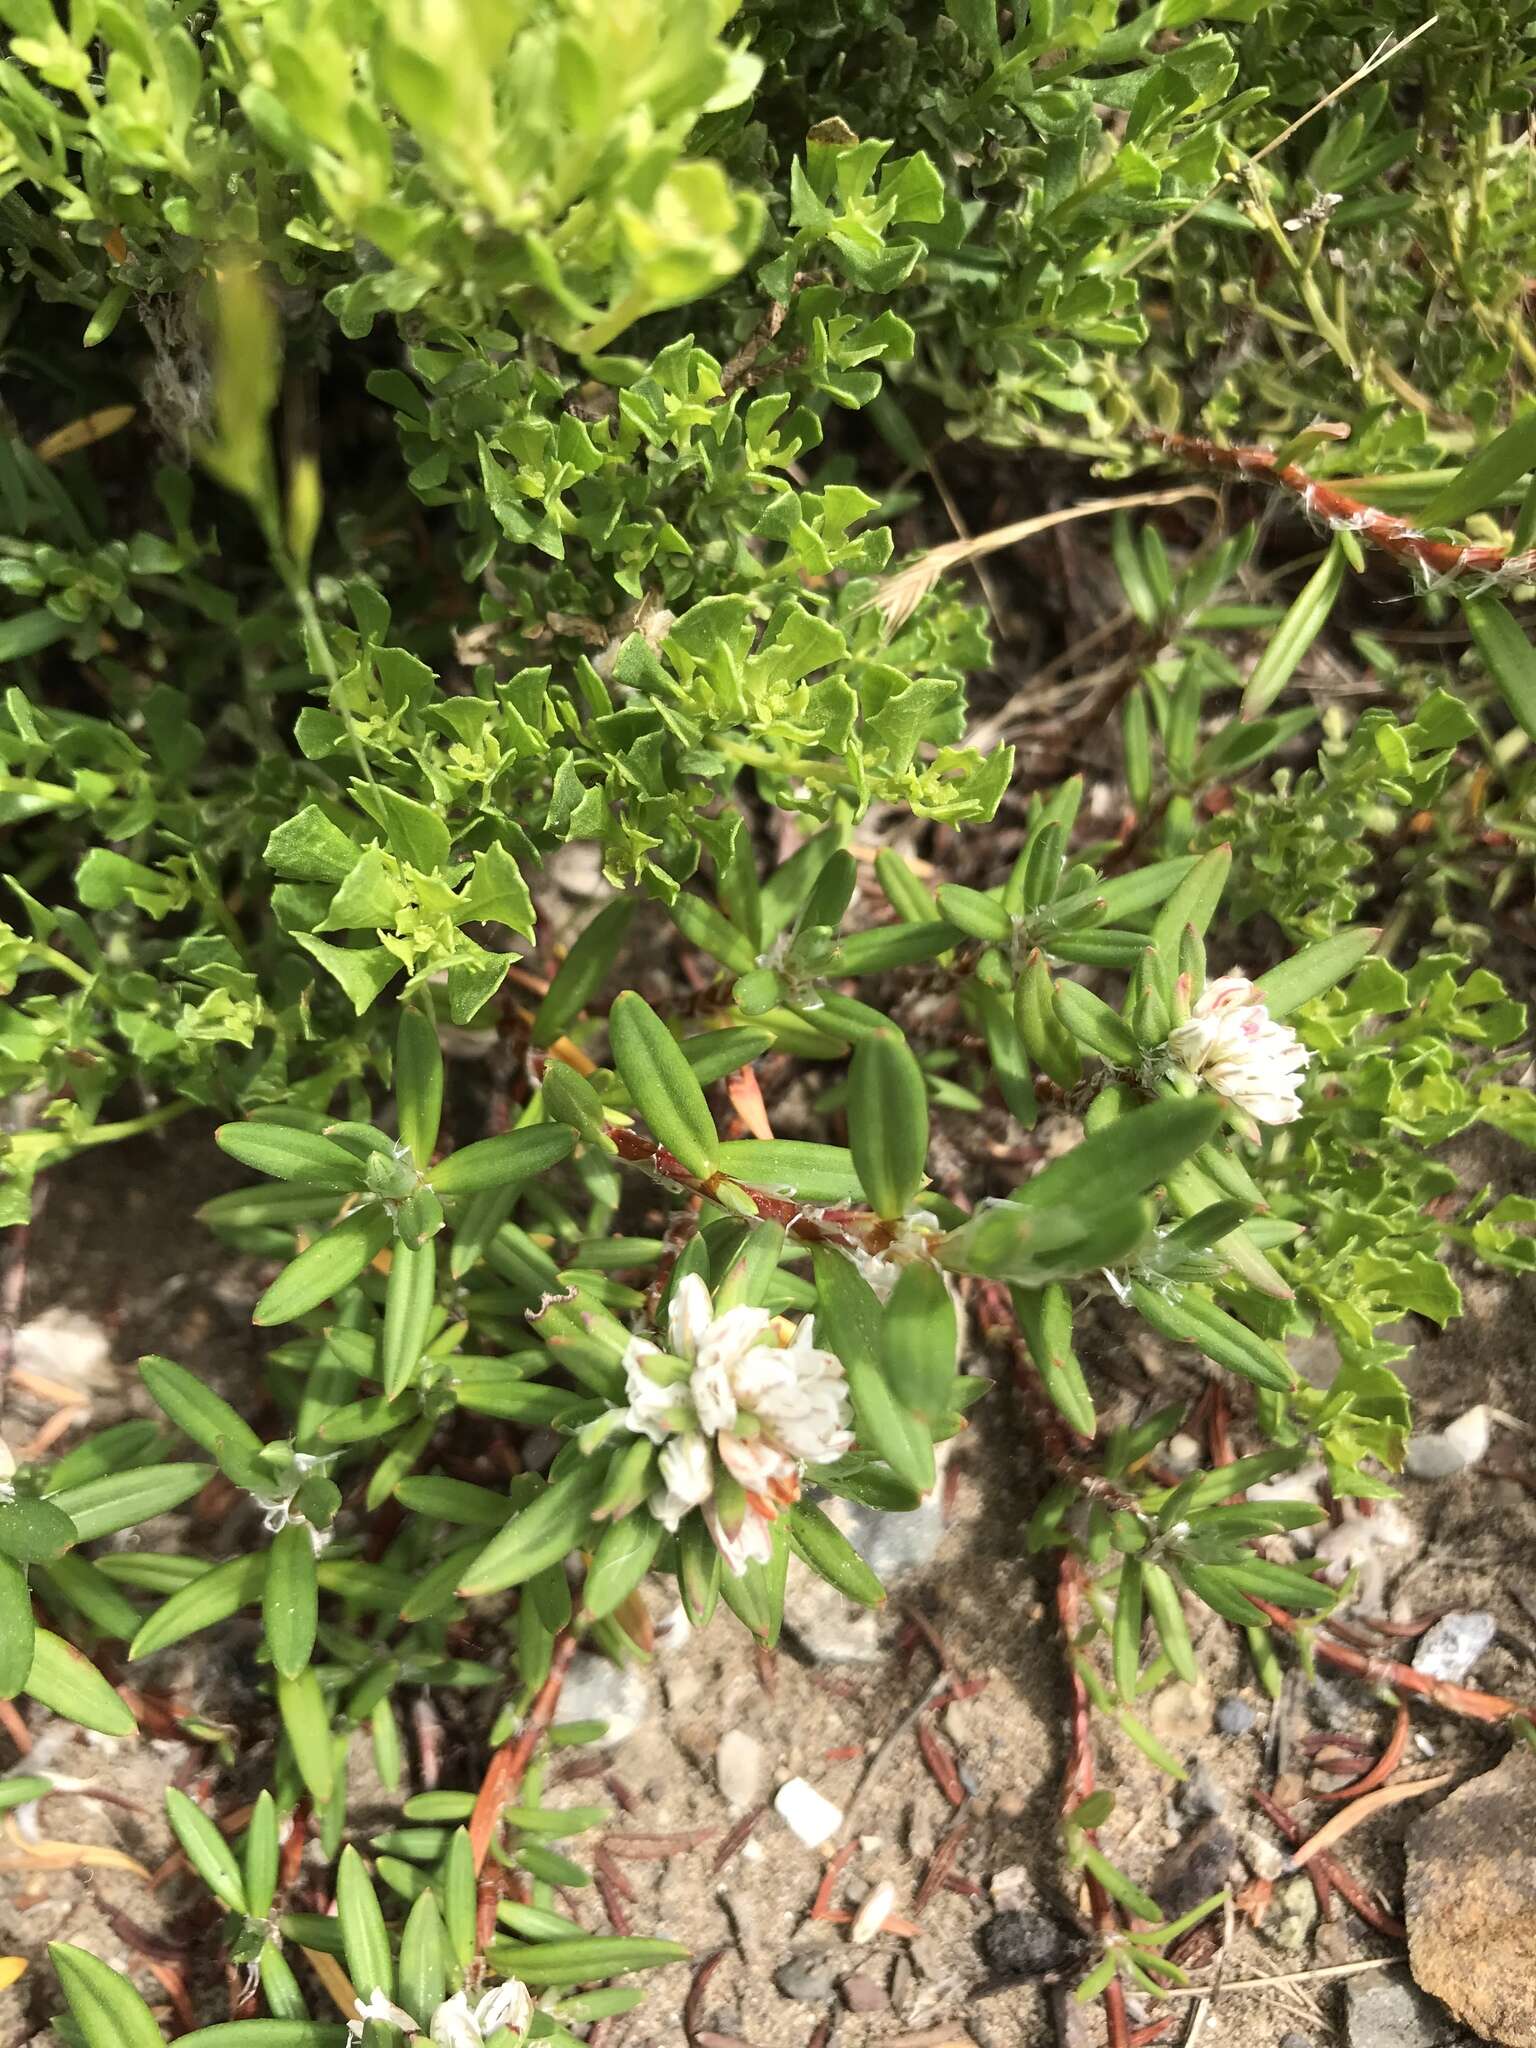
(1294, 2040)
(862, 1994)
(809, 1976)
(1197, 1868)
(1331, 1706)
(1020, 1943)
(873, 1914)
(903, 1977)
(1200, 1797)
(1180, 1716)
(1453, 1645)
(1388, 2011)
(1291, 1929)
(61, 1344)
(1183, 1454)
(960, 1721)
(1234, 1716)
(808, 1816)
(1011, 1887)
(1262, 1856)
(740, 1768)
(1440, 1454)
(1470, 1901)
(596, 1689)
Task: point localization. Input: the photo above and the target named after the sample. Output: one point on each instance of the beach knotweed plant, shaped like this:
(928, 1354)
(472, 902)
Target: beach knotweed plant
(682, 1023)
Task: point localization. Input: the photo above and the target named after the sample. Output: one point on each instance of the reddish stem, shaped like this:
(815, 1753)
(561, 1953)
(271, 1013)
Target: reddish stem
(509, 1766)
(1338, 511)
(1455, 1699)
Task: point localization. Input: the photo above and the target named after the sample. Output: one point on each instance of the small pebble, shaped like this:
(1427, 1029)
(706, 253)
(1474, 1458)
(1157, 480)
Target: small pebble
(863, 1994)
(1453, 1645)
(1234, 1716)
(740, 1768)
(1020, 1943)
(808, 1816)
(809, 1977)
(1294, 2040)
(1442, 1453)
(1199, 1797)
(1183, 1454)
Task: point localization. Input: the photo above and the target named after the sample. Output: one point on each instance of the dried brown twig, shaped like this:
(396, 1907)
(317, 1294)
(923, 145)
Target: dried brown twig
(898, 596)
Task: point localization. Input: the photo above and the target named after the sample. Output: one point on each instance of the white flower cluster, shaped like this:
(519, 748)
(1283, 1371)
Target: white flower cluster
(1234, 1046)
(456, 2023)
(757, 1400)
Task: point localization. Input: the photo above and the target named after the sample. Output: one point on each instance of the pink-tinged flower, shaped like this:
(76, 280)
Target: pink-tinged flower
(1234, 1046)
(759, 1402)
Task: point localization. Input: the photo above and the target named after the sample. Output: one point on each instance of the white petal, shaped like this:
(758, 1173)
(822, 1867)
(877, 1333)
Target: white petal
(687, 1469)
(714, 1398)
(752, 1543)
(730, 1337)
(454, 2025)
(507, 2006)
(688, 1316)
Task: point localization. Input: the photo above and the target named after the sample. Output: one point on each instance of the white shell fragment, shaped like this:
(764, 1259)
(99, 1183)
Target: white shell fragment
(873, 1914)
(808, 1816)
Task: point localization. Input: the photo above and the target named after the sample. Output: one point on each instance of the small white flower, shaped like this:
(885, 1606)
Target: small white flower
(910, 1241)
(456, 2024)
(1234, 1046)
(760, 1399)
(378, 2005)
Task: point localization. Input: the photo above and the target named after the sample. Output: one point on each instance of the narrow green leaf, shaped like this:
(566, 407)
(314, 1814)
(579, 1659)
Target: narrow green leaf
(1507, 655)
(259, 1857)
(370, 1963)
(849, 1321)
(1315, 970)
(206, 1850)
(289, 1599)
(197, 1411)
(1126, 1635)
(35, 1531)
(16, 1629)
(540, 1534)
(888, 1122)
(661, 1084)
(503, 1162)
(1305, 618)
(329, 1264)
(818, 1542)
(69, 1685)
(1490, 473)
(795, 1167)
(410, 1296)
(1167, 1611)
(307, 1724)
(418, 1085)
(423, 1959)
(105, 2006)
(287, 1154)
(621, 1560)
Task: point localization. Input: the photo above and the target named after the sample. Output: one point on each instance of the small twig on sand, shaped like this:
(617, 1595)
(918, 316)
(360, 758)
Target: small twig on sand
(1361, 1810)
